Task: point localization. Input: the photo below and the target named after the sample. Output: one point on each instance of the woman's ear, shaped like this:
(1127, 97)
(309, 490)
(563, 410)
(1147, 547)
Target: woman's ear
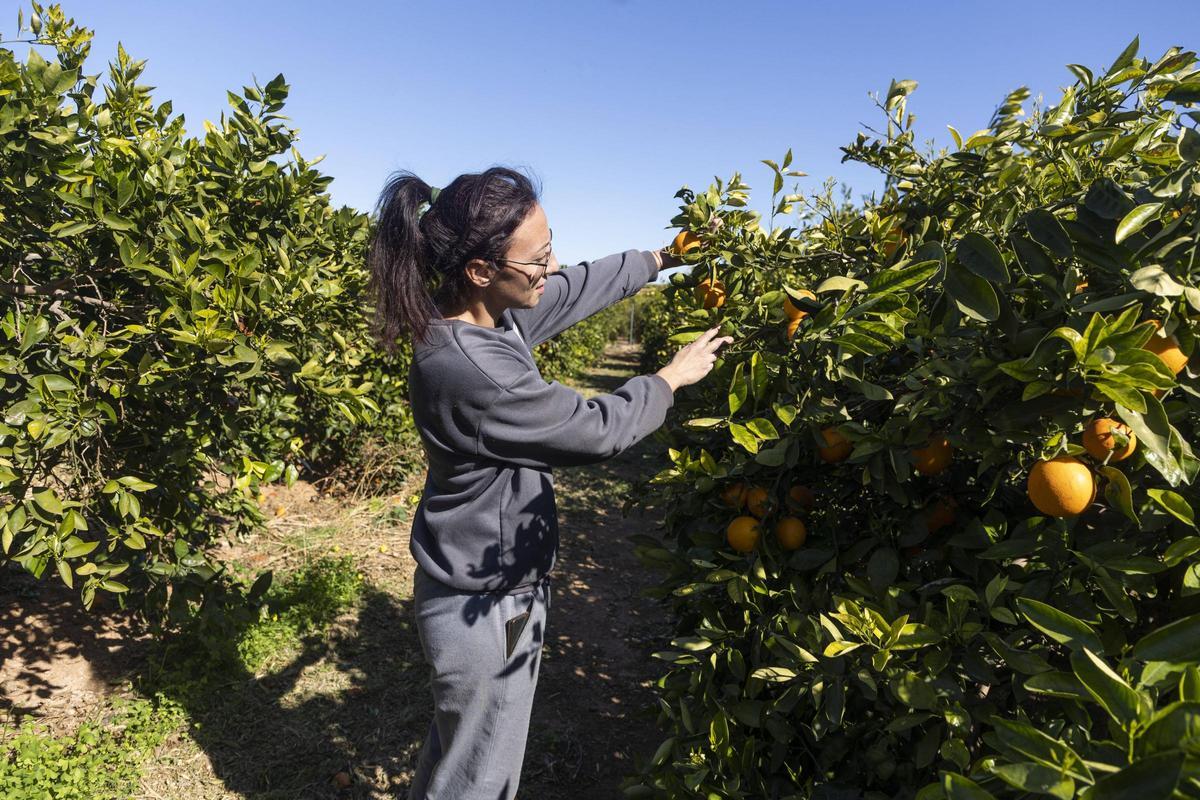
(480, 272)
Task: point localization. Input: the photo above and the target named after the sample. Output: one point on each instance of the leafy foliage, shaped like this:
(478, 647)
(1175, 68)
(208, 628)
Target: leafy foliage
(937, 636)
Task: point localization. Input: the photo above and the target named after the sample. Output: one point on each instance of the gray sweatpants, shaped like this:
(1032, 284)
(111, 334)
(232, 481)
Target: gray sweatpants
(484, 651)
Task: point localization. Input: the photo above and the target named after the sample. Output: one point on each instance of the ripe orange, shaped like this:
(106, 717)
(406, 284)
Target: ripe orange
(837, 447)
(792, 310)
(756, 501)
(710, 293)
(941, 514)
(1166, 348)
(893, 241)
(743, 534)
(1061, 487)
(800, 498)
(685, 242)
(734, 495)
(934, 457)
(1099, 440)
(793, 326)
(790, 533)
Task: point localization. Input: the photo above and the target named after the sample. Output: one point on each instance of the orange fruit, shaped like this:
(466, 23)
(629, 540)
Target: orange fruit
(941, 514)
(934, 457)
(1167, 349)
(800, 498)
(792, 310)
(793, 326)
(756, 501)
(734, 495)
(837, 447)
(1080, 287)
(790, 533)
(1099, 440)
(710, 293)
(685, 242)
(894, 240)
(1061, 487)
(743, 533)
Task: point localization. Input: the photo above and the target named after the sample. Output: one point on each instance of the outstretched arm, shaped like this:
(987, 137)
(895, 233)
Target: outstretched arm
(575, 293)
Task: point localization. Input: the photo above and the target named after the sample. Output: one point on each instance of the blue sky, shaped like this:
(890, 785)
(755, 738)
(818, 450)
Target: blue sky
(613, 105)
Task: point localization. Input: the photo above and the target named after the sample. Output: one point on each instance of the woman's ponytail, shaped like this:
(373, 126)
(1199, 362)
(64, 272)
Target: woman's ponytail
(399, 262)
(413, 252)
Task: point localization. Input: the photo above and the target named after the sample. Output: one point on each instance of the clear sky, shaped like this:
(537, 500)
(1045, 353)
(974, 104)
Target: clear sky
(612, 104)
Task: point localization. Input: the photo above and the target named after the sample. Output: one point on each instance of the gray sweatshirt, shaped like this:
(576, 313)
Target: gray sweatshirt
(493, 429)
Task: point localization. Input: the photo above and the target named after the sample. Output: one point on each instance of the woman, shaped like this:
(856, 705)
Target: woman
(485, 534)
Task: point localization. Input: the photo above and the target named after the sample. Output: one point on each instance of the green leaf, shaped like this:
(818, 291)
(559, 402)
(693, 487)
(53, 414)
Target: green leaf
(906, 278)
(48, 501)
(1155, 280)
(1173, 728)
(980, 255)
(1137, 219)
(958, 787)
(1031, 257)
(1058, 625)
(69, 228)
(1057, 684)
(744, 437)
(1178, 642)
(1045, 229)
(839, 283)
(912, 690)
(758, 376)
(1045, 750)
(1173, 504)
(1119, 493)
(1189, 684)
(882, 568)
(1031, 777)
(762, 428)
(1185, 92)
(738, 390)
(1153, 431)
(1108, 688)
(973, 295)
(773, 674)
(1152, 778)
(1189, 145)
(117, 222)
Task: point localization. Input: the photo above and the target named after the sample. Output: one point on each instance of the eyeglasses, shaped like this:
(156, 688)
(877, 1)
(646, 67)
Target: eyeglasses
(545, 265)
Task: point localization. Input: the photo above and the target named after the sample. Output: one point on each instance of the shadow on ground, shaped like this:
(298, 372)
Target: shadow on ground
(354, 701)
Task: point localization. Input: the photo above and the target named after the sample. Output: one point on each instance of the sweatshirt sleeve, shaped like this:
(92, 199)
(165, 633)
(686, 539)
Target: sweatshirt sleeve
(575, 293)
(537, 424)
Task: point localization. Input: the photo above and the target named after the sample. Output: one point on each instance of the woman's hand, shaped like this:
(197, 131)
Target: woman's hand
(693, 361)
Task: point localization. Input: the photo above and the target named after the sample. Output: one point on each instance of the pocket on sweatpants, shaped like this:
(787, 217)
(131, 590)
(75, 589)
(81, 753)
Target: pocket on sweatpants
(513, 628)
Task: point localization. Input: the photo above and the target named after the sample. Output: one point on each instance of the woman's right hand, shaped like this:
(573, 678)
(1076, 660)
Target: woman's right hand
(694, 360)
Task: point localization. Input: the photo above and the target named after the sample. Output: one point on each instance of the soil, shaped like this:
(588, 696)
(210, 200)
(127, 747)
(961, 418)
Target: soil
(355, 704)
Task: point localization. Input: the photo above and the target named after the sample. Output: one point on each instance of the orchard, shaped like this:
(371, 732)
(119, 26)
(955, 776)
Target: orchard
(931, 526)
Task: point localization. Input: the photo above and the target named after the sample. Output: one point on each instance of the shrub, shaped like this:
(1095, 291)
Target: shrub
(937, 635)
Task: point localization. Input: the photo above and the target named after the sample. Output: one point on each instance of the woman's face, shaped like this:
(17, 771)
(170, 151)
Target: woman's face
(520, 279)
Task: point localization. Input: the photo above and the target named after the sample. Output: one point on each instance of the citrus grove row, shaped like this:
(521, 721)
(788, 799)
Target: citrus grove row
(930, 523)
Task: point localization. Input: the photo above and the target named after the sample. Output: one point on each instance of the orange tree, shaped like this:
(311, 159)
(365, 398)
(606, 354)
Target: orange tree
(930, 527)
(180, 322)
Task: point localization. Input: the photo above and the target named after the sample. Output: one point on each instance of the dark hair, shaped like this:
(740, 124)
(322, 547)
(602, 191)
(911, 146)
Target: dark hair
(416, 259)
